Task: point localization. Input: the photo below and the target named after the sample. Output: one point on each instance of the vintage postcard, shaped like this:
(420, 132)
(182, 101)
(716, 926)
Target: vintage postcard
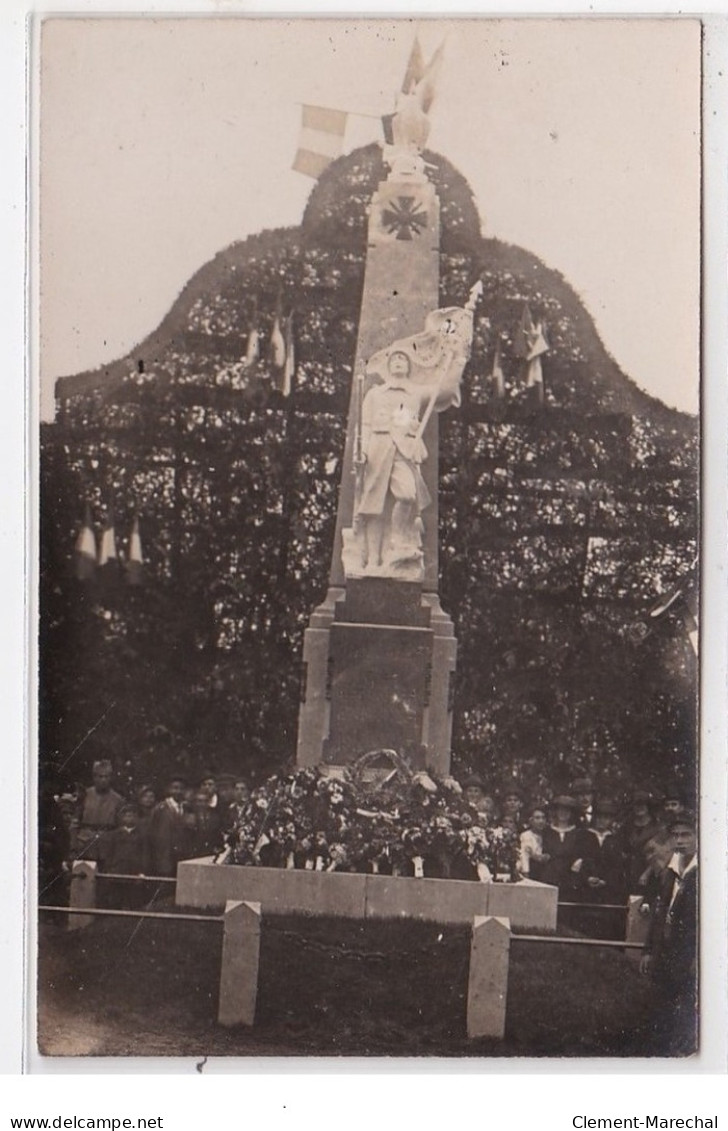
(369, 537)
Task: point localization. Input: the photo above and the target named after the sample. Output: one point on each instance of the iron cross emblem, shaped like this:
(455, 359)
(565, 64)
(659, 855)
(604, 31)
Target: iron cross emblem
(404, 217)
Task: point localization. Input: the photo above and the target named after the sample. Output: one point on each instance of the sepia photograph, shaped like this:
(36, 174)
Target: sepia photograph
(369, 538)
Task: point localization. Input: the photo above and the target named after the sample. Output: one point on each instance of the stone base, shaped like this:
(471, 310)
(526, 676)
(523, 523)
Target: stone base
(379, 661)
(528, 905)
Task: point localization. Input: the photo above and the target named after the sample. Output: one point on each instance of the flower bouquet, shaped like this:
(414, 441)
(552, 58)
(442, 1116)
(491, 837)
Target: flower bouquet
(373, 819)
(416, 842)
(504, 853)
(476, 846)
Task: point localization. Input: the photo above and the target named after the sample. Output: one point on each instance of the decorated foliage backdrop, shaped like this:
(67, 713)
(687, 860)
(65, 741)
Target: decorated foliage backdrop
(559, 523)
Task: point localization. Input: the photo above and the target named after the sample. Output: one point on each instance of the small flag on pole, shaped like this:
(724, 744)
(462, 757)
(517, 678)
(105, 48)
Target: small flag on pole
(691, 620)
(538, 343)
(252, 351)
(530, 344)
(415, 68)
(388, 129)
(534, 377)
(277, 342)
(108, 556)
(289, 365)
(524, 334)
(683, 601)
(321, 140)
(84, 554)
(135, 563)
(425, 88)
(497, 378)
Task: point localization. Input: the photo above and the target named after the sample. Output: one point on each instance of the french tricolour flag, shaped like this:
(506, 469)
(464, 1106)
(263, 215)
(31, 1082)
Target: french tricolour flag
(321, 141)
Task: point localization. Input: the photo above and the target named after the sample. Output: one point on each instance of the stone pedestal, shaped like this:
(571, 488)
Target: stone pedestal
(379, 663)
(527, 905)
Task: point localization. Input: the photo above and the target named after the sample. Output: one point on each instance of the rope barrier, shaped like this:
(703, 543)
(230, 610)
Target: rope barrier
(339, 950)
(597, 906)
(144, 879)
(623, 945)
(132, 914)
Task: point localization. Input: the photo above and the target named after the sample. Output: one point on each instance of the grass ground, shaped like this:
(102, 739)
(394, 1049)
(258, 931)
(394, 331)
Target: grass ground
(327, 987)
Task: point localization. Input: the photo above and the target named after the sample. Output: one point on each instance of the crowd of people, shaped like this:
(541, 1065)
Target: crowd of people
(592, 848)
(146, 835)
(596, 851)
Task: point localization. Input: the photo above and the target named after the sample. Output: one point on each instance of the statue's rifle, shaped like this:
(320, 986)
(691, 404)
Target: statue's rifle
(359, 460)
(475, 293)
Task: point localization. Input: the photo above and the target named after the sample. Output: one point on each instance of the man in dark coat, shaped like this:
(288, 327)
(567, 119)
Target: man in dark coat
(670, 954)
(206, 830)
(599, 873)
(166, 830)
(559, 844)
(639, 829)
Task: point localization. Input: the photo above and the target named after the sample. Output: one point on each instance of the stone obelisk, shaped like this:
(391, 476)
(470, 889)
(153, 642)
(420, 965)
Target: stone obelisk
(379, 653)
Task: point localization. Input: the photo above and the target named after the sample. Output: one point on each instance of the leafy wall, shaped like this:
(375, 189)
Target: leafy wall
(559, 523)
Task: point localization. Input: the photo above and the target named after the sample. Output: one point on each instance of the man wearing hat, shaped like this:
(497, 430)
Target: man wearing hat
(583, 791)
(166, 829)
(670, 952)
(558, 842)
(225, 782)
(599, 872)
(673, 803)
(512, 804)
(208, 784)
(639, 829)
(476, 795)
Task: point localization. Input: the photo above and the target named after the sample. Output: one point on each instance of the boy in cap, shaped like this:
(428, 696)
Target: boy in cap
(125, 852)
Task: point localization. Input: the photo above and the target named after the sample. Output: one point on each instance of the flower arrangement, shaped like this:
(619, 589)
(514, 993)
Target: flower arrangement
(390, 821)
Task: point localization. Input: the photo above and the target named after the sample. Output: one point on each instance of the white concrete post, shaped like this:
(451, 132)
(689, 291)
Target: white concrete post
(83, 892)
(488, 979)
(240, 960)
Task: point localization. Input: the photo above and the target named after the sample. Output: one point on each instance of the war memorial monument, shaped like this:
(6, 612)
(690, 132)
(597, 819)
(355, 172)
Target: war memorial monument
(394, 512)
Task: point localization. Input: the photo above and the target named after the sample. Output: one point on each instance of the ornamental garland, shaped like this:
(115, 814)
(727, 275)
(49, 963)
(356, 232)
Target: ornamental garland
(393, 822)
